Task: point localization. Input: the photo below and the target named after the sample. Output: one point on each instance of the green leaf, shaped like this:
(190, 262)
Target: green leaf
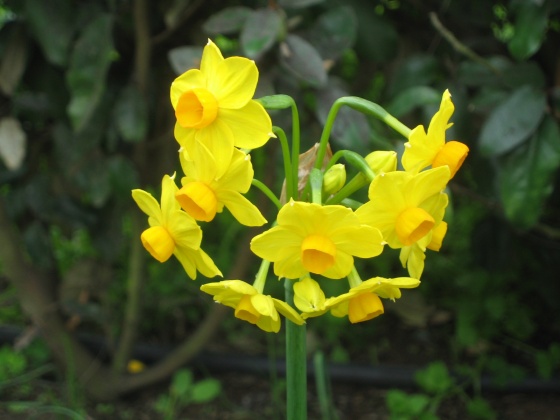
(526, 176)
(530, 27)
(89, 63)
(53, 24)
(478, 408)
(182, 383)
(513, 121)
(131, 114)
(411, 98)
(206, 390)
(227, 21)
(524, 73)
(260, 32)
(471, 73)
(403, 405)
(415, 71)
(296, 4)
(13, 59)
(377, 40)
(435, 378)
(184, 58)
(303, 61)
(334, 32)
(13, 143)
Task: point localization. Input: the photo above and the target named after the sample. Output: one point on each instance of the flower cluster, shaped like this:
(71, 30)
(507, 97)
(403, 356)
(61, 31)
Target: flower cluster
(319, 230)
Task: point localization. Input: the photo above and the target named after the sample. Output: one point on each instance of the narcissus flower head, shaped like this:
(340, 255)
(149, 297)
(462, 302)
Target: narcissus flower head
(206, 191)
(250, 305)
(309, 298)
(430, 149)
(412, 257)
(214, 105)
(362, 302)
(406, 207)
(172, 231)
(311, 238)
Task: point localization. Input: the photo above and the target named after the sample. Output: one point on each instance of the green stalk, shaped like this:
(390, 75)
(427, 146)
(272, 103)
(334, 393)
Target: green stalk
(363, 106)
(295, 148)
(351, 187)
(296, 364)
(287, 162)
(261, 186)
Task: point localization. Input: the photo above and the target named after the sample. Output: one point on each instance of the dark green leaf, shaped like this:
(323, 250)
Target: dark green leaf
(513, 121)
(435, 378)
(334, 31)
(526, 175)
(524, 73)
(182, 383)
(411, 98)
(296, 4)
(13, 59)
(479, 409)
(299, 57)
(206, 390)
(377, 39)
(53, 23)
(89, 63)
(260, 32)
(184, 58)
(131, 114)
(227, 21)
(405, 406)
(416, 71)
(530, 27)
(471, 73)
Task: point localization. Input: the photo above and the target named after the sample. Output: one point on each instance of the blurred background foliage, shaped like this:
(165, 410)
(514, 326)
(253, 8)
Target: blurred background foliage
(85, 117)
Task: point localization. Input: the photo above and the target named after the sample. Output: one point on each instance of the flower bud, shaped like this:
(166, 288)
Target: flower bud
(382, 161)
(334, 179)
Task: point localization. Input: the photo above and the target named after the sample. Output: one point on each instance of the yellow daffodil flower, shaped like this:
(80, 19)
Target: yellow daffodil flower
(317, 239)
(406, 207)
(250, 305)
(412, 257)
(172, 231)
(205, 192)
(309, 298)
(362, 302)
(423, 150)
(214, 105)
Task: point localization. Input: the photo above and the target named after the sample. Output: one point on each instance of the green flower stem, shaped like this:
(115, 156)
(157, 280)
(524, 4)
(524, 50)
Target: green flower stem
(295, 148)
(351, 187)
(296, 364)
(361, 105)
(354, 159)
(260, 278)
(323, 387)
(261, 186)
(316, 182)
(354, 278)
(287, 161)
(353, 204)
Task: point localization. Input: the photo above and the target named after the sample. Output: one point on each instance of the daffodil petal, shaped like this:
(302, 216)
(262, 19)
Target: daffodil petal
(186, 257)
(239, 174)
(290, 267)
(206, 265)
(184, 230)
(276, 244)
(250, 125)
(264, 305)
(308, 295)
(168, 202)
(363, 242)
(341, 268)
(242, 209)
(288, 312)
(233, 82)
(189, 80)
(211, 58)
(148, 204)
(268, 324)
(204, 161)
(218, 139)
(426, 184)
(184, 136)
